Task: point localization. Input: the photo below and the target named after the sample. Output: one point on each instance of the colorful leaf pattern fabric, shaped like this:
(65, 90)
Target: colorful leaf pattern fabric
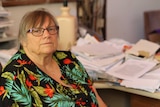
(23, 84)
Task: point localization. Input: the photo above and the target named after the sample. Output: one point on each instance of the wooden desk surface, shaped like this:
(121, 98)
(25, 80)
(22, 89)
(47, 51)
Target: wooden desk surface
(155, 95)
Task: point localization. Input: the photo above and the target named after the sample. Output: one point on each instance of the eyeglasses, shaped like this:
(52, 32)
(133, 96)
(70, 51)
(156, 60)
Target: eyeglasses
(52, 30)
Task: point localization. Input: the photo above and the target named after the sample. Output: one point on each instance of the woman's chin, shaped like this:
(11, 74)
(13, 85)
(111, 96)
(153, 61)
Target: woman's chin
(49, 51)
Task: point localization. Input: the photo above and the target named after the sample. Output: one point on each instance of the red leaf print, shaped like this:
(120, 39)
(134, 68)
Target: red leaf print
(74, 86)
(14, 77)
(83, 103)
(22, 62)
(49, 91)
(67, 61)
(2, 90)
(32, 77)
(29, 62)
(91, 87)
(89, 81)
(80, 102)
(93, 105)
(28, 83)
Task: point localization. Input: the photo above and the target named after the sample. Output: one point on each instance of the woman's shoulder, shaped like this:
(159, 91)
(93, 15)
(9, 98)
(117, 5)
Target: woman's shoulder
(17, 60)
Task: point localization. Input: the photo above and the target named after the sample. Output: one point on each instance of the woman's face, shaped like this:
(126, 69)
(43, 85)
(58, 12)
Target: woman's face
(44, 44)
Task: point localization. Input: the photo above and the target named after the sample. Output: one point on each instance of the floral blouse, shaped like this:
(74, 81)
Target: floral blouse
(23, 84)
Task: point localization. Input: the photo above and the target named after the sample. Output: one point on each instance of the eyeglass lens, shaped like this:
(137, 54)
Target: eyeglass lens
(39, 31)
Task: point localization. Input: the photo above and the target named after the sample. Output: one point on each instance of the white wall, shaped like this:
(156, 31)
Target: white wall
(125, 18)
(18, 11)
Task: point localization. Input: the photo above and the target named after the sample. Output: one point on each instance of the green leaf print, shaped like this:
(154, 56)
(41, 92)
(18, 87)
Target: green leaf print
(43, 77)
(59, 100)
(40, 90)
(16, 56)
(61, 55)
(38, 102)
(75, 75)
(8, 75)
(93, 97)
(19, 94)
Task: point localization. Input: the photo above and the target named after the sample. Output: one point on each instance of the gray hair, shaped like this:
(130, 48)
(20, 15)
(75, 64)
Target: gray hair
(33, 19)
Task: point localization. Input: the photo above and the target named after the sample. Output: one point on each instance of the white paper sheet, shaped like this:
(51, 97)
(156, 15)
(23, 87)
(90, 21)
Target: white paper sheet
(96, 50)
(145, 84)
(132, 69)
(155, 74)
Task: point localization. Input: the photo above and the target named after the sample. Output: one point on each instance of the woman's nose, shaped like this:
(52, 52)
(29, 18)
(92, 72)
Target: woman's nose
(46, 33)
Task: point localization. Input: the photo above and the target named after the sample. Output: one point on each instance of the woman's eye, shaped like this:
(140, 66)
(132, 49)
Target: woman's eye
(37, 30)
(51, 29)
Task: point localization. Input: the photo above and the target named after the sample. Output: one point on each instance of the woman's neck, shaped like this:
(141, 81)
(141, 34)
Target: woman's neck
(40, 59)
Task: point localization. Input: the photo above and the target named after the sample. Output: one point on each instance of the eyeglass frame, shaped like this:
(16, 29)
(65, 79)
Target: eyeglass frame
(42, 30)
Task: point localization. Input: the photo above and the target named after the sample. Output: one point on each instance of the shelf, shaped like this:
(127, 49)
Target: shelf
(9, 38)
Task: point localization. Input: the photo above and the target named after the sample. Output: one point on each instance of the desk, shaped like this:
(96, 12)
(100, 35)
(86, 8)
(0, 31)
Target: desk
(138, 98)
(155, 95)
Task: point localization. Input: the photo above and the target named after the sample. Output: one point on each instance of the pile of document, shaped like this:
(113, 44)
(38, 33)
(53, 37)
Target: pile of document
(98, 57)
(140, 68)
(136, 67)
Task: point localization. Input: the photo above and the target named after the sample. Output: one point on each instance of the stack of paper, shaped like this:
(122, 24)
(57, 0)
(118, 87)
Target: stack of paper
(98, 50)
(132, 72)
(98, 56)
(5, 22)
(150, 85)
(140, 71)
(133, 67)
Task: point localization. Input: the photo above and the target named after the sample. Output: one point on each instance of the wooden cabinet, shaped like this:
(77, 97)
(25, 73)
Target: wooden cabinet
(141, 101)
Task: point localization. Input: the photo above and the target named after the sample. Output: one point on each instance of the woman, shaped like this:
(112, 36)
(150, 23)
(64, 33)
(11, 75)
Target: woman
(40, 76)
